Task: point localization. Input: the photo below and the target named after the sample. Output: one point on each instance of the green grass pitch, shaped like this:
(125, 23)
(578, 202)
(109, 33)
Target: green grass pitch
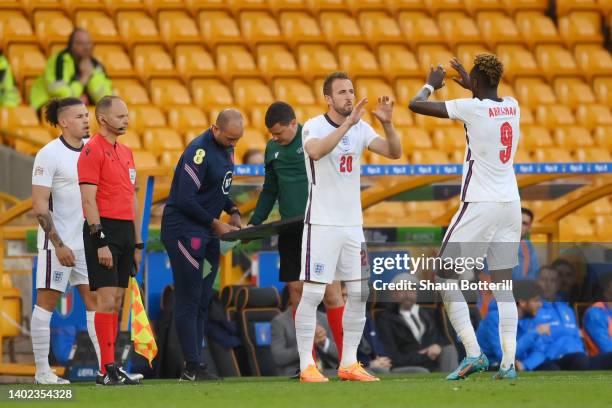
(557, 389)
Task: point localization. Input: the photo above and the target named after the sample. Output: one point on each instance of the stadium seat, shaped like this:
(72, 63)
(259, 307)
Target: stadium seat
(318, 92)
(602, 227)
(235, 60)
(26, 60)
(603, 137)
(152, 61)
(218, 27)
(293, 91)
(553, 116)
(593, 60)
(397, 6)
(449, 138)
(298, 28)
(116, 62)
(99, 25)
(14, 28)
(380, 28)
(191, 133)
(573, 92)
(533, 92)
(249, 92)
(382, 160)
(29, 140)
(51, 27)
(419, 28)
(156, 7)
(458, 28)
(339, 28)
(280, 6)
(114, 6)
(195, 6)
(363, 6)
(131, 91)
(177, 27)
(552, 155)
(167, 93)
(318, 6)
(603, 89)
(316, 60)
(596, 208)
(593, 115)
(397, 61)
(527, 116)
(433, 55)
(497, 28)
(466, 54)
(456, 156)
(136, 27)
(537, 28)
(402, 116)
(428, 156)
(210, 92)
(275, 61)
(476, 6)
(575, 228)
(160, 139)
(144, 159)
(581, 27)
(556, 61)
(252, 138)
(572, 137)
(522, 156)
(193, 61)
(430, 123)
(436, 6)
(143, 117)
(132, 140)
(592, 154)
(74, 6)
(563, 7)
(258, 27)
(414, 138)
(525, 5)
(257, 117)
(170, 158)
(31, 6)
(303, 113)
(506, 90)
(533, 137)
(187, 117)
(518, 61)
(357, 60)
(372, 88)
(406, 88)
(239, 6)
(18, 117)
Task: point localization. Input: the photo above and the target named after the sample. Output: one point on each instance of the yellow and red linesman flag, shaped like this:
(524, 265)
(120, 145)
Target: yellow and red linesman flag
(142, 334)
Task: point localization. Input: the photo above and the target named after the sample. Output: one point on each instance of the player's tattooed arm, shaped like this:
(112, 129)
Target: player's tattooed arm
(46, 223)
(420, 104)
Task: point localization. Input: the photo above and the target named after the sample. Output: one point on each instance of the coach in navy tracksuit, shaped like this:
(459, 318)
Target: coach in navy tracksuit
(191, 227)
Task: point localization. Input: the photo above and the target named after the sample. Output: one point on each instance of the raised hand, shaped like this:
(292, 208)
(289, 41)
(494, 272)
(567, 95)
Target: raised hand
(464, 78)
(436, 77)
(384, 109)
(357, 112)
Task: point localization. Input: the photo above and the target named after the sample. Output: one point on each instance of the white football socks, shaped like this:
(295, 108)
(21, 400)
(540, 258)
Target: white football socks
(508, 321)
(41, 337)
(306, 321)
(91, 329)
(353, 320)
(459, 316)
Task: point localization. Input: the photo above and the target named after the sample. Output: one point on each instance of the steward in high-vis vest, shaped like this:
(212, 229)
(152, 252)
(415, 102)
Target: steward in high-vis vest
(72, 72)
(9, 95)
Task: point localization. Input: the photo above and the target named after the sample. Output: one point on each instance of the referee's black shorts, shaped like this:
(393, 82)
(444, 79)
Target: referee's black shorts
(290, 251)
(121, 242)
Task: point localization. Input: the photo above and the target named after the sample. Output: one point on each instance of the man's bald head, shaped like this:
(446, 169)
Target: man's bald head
(226, 116)
(228, 127)
(112, 115)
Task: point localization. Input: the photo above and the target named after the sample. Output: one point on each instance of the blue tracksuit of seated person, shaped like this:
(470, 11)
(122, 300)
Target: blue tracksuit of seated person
(199, 193)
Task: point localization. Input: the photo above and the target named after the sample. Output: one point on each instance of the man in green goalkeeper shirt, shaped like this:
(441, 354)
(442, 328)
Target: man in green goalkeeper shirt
(286, 182)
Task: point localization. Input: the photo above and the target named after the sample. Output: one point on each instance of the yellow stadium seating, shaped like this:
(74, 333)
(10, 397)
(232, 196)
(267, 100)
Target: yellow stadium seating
(527, 116)
(116, 62)
(238, 6)
(603, 137)
(210, 92)
(593, 115)
(522, 156)
(449, 138)
(249, 92)
(380, 28)
(258, 27)
(563, 7)
(458, 28)
(533, 92)
(160, 139)
(275, 61)
(518, 61)
(252, 138)
(131, 91)
(597, 207)
(378, 159)
(497, 28)
(521, 5)
(316, 60)
(303, 113)
(537, 28)
(74, 6)
(533, 137)
(152, 61)
(506, 90)
(94, 126)
(372, 88)
(143, 117)
(36, 5)
(170, 158)
(235, 60)
(177, 27)
(466, 54)
(318, 6)
(572, 137)
(414, 138)
(436, 6)
(457, 156)
(52, 27)
(575, 228)
(14, 27)
(99, 25)
(131, 139)
(27, 61)
(257, 117)
(552, 155)
(136, 27)
(581, 27)
(293, 91)
(144, 159)
(602, 227)
(357, 60)
(278, 6)
(190, 134)
(187, 117)
(193, 61)
(433, 55)
(419, 28)
(195, 6)
(167, 93)
(317, 88)
(603, 89)
(592, 154)
(553, 116)
(18, 117)
(556, 61)
(475, 6)
(397, 61)
(29, 140)
(218, 27)
(158, 6)
(406, 88)
(339, 28)
(402, 116)
(362, 6)
(114, 6)
(428, 156)
(298, 27)
(431, 123)
(593, 60)
(397, 6)
(573, 92)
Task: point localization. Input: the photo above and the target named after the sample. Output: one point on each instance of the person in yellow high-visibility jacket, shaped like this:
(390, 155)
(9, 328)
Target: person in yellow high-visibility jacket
(72, 72)
(9, 95)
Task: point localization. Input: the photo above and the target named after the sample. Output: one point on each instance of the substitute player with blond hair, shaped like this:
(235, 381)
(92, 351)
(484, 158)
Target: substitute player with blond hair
(488, 222)
(333, 243)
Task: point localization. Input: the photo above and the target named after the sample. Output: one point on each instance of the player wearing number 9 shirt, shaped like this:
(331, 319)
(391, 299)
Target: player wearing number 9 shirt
(488, 222)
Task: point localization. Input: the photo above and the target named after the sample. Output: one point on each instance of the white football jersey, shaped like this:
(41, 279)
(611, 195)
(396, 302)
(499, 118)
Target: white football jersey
(492, 133)
(55, 166)
(334, 196)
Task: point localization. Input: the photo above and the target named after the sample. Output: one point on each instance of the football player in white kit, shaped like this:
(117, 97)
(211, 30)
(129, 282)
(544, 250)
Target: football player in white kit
(488, 222)
(56, 202)
(333, 243)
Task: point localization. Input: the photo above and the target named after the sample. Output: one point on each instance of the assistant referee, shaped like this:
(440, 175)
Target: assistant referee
(286, 182)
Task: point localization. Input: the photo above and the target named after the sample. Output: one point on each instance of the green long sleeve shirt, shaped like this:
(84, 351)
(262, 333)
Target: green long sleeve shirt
(285, 181)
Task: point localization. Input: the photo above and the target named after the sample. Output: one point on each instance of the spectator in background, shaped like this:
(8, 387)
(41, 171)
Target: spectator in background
(570, 285)
(253, 156)
(528, 266)
(72, 72)
(9, 95)
(598, 322)
(410, 335)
